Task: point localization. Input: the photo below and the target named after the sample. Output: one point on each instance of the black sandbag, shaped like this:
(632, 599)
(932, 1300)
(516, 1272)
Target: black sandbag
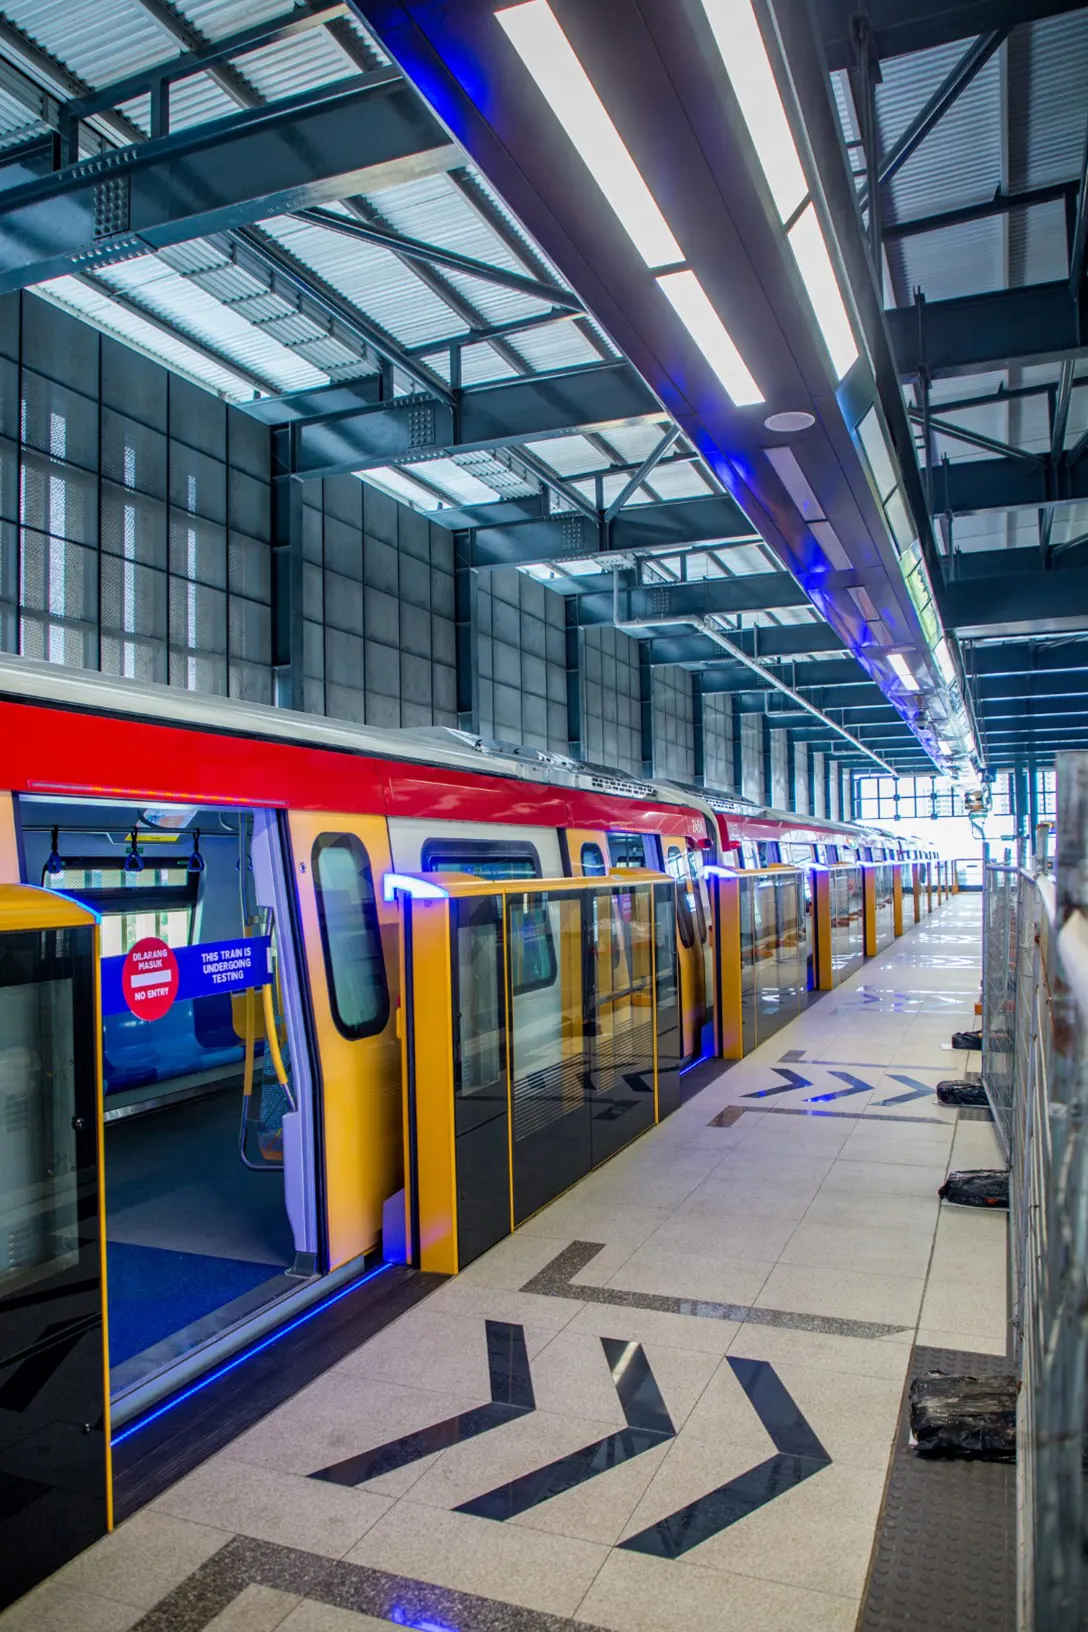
(968, 1417)
(977, 1187)
(962, 1092)
(967, 1040)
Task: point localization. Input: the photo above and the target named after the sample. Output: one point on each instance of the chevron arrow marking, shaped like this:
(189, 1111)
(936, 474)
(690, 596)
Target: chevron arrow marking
(794, 1079)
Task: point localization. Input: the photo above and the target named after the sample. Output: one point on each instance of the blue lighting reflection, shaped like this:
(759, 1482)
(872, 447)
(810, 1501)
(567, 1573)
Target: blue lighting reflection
(422, 1623)
(247, 1354)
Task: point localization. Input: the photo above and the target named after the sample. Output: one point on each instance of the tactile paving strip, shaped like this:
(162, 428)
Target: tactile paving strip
(945, 1553)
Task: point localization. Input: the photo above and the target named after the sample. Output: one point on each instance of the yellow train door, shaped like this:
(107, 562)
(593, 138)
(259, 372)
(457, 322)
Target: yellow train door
(350, 938)
(691, 931)
(587, 852)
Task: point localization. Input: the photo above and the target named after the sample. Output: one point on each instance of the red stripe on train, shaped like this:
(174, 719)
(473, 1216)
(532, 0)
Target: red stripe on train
(84, 755)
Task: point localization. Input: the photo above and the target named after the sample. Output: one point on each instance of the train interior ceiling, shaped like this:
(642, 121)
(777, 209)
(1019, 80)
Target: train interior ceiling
(197, 1220)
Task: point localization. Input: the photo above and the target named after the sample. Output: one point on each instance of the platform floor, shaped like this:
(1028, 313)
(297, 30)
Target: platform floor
(702, 1349)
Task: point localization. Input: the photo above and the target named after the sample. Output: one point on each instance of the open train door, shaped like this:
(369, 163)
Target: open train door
(350, 937)
(54, 1403)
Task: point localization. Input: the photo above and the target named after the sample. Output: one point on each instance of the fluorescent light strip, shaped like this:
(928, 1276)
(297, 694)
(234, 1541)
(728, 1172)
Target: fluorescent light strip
(691, 303)
(902, 669)
(814, 264)
(944, 661)
(737, 35)
(540, 42)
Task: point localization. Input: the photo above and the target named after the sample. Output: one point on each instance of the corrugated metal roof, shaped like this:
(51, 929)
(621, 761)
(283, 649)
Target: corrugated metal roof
(99, 43)
(193, 311)
(114, 320)
(372, 278)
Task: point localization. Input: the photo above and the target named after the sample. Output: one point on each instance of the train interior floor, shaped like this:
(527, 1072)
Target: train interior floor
(195, 1240)
(695, 1362)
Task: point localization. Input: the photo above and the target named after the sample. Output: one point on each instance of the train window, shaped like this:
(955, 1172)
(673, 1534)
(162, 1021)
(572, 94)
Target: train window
(627, 849)
(160, 900)
(769, 853)
(532, 950)
(677, 866)
(693, 870)
(350, 936)
(593, 865)
(486, 858)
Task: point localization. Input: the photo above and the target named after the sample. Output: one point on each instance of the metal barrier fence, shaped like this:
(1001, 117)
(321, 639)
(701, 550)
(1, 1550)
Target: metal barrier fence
(1035, 1068)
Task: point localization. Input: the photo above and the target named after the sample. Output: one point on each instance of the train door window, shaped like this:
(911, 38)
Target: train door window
(350, 936)
(627, 850)
(770, 854)
(532, 950)
(593, 862)
(677, 866)
(696, 890)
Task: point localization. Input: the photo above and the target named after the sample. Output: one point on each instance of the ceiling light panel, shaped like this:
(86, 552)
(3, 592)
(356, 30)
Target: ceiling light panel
(736, 33)
(822, 286)
(691, 303)
(902, 669)
(540, 42)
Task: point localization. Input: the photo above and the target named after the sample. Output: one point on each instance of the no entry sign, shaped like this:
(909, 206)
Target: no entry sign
(149, 978)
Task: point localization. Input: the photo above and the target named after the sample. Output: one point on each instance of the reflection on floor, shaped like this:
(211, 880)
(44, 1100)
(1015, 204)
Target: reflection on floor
(190, 1230)
(668, 1402)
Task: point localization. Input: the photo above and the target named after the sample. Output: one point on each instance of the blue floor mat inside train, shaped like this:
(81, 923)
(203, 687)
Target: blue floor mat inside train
(154, 1292)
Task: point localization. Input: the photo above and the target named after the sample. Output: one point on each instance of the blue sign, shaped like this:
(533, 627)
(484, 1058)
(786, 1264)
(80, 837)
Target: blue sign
(203, 970)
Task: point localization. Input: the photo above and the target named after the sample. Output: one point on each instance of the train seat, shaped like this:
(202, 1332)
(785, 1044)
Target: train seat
(136, 1053)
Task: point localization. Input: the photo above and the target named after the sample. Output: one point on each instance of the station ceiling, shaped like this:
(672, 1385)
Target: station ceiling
(373, 231)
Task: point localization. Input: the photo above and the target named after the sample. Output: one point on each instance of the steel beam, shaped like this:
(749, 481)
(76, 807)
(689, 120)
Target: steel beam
(1020, 602)
(524, 537)
(487, 416)
(790, 640)
(1025, 657)
(837, 682)
(993, 689)
(900, 27)
(272, 31)
(974, 59)
(354, 136)
(758, 592)
(1007, 484)
(1000, 204)
(978, 334)
(414, 249)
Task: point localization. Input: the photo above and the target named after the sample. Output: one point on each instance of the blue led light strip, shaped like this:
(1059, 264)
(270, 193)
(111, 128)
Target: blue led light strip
(247, 1354)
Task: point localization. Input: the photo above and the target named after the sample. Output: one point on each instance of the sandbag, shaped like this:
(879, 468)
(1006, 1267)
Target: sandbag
(977, 1187)
(964, 1416)
(961, 1092)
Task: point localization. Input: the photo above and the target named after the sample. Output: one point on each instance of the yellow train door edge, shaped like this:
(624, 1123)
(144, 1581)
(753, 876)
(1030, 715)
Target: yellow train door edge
(362, 1124)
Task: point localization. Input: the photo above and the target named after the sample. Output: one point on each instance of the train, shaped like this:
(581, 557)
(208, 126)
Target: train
(250, 1149)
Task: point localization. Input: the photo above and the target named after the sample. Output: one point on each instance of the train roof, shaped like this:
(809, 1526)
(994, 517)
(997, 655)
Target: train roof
(85, 690)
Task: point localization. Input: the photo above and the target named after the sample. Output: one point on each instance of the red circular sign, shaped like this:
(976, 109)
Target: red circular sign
(149, 978)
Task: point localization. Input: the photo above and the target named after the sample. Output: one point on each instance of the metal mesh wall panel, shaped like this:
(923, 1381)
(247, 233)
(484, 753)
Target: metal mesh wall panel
(378, 632)
(521, 649)
(674, 730)
(718, 740)
(611, 731)
(121, 497)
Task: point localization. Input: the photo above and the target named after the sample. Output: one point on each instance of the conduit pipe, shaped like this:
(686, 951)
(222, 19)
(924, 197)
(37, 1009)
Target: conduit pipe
(711, 627)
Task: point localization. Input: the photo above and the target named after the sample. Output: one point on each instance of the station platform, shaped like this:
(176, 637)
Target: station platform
(672, 1400)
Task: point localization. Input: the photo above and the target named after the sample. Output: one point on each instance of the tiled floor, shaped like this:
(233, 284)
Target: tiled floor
(762, 1277)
